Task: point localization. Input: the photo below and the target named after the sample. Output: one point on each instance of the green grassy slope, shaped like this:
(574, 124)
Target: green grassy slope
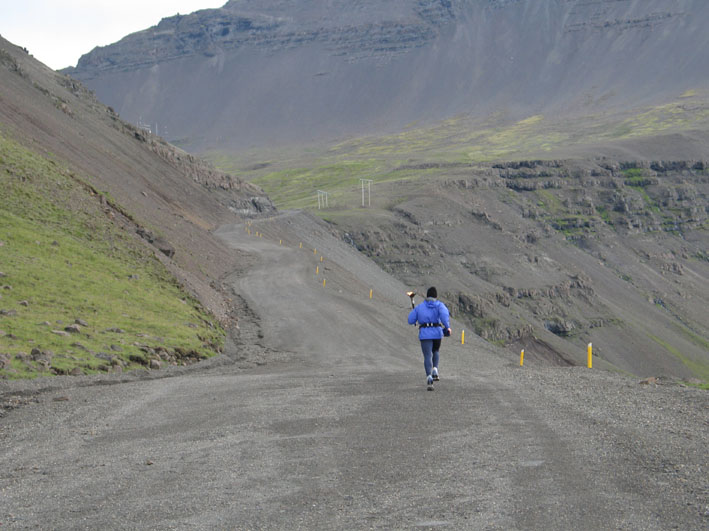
(291, 177)
(62, 259)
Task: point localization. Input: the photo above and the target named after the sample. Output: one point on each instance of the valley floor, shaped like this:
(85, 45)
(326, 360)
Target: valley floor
(337, 431)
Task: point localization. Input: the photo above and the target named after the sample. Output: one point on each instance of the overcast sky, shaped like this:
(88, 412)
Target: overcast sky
(58, 32)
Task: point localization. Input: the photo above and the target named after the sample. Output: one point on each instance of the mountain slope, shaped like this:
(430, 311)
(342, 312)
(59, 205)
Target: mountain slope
(157, 197)
(263, 73)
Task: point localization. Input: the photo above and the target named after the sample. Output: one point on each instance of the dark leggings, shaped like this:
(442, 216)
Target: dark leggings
(430, 349)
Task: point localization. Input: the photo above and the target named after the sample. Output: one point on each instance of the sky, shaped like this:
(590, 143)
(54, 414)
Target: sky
(58, 32)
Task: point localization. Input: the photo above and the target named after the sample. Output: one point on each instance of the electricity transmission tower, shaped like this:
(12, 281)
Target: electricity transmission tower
(369, 191)
(322, 199)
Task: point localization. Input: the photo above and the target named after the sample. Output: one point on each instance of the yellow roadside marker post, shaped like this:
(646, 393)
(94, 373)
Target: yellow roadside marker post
(590, 353)
(462, 337)
(317, 270)
(323, 283)
(370, 293)
(301, 245)
(521, 358)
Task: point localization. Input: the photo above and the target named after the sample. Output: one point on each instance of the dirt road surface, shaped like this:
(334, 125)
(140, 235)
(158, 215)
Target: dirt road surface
(318, 417)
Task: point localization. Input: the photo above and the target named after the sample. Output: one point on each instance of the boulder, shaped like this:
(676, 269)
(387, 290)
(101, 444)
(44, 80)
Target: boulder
(164, 247)
(73, 329)
(41, 356)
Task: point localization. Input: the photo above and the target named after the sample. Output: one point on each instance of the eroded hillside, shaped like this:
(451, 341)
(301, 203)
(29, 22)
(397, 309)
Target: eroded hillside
(550, 255)
(66, 158)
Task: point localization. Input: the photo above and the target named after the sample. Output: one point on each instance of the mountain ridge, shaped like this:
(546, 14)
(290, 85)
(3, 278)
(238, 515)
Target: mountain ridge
(274, 73)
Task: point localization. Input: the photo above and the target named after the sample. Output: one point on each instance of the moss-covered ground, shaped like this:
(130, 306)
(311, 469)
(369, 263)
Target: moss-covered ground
(62, 259)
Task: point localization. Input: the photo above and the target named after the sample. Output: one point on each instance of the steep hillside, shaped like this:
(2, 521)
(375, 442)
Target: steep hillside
(257, 73)
(66, 159)
(78, 293)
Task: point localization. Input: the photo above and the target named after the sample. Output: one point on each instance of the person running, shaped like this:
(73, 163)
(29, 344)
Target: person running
(431, 315)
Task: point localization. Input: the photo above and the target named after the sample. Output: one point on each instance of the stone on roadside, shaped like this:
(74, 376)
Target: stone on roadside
(73, 329)
(8, 313)
(76, 371)
(155, 364)
(81, 322)
(115, 330)
(116, 348)
(24, 303)
(648, 381)
(4, 361)
(60, 333)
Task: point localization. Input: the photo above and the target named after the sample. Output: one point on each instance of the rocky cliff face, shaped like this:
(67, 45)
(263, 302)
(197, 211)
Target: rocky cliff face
(265, 72)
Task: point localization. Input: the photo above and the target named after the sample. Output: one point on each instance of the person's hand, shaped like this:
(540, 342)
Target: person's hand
(450, 331)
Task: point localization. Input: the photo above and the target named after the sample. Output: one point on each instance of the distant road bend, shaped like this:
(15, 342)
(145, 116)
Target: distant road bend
(339, 431)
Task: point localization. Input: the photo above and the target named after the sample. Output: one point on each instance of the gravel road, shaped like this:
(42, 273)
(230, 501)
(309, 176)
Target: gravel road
(331, 427)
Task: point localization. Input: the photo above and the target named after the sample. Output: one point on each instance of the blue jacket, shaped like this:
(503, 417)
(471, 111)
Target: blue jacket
(430, 311)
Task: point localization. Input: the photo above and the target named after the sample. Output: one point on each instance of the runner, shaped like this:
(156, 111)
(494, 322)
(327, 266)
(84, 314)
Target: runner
(431, 315)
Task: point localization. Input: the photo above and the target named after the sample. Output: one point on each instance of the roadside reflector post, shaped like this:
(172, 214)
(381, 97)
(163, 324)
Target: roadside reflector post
(321, 258)
(280, 242)
(370, 293)
(315, 251)
(317, 270)
(521, 358)
(590, 353)
(323, 283)
(301, 245)
(462, 337)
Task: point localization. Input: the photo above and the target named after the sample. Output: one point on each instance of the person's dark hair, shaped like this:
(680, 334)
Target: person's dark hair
(432, 293)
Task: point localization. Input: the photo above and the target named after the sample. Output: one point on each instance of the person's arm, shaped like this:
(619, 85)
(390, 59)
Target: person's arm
(412, 317)
(445, 317)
